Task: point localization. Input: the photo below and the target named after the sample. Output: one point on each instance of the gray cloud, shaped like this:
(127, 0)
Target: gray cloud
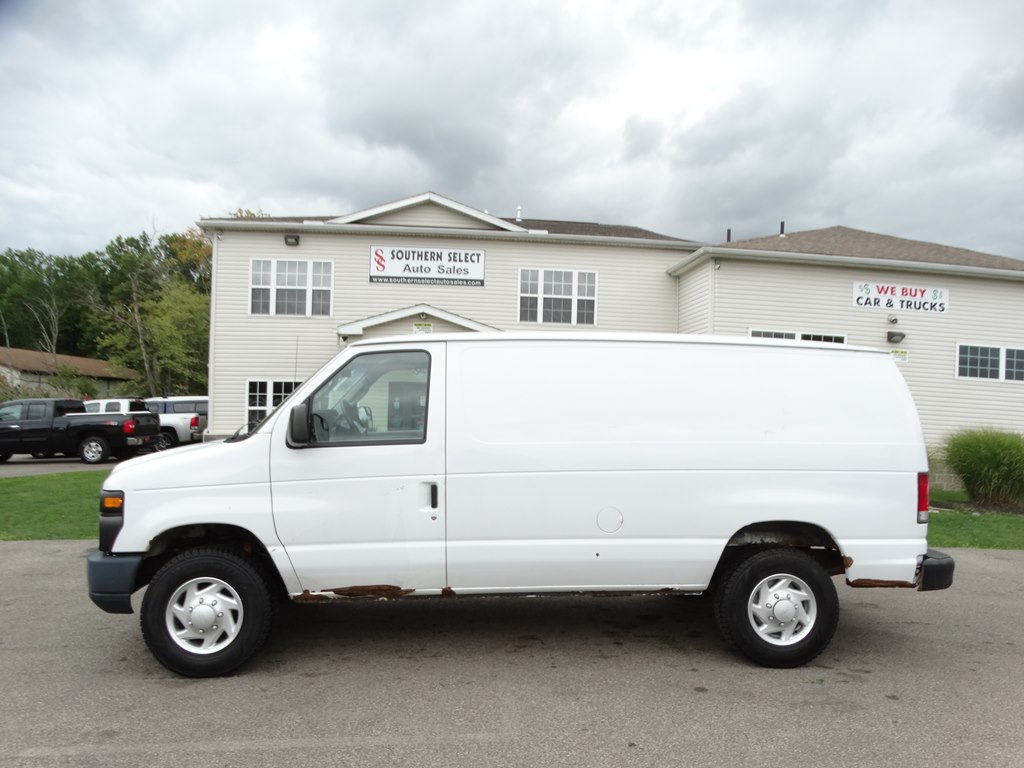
(686, 119)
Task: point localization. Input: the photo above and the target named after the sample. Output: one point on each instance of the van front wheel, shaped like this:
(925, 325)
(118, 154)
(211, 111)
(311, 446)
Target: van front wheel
(778, 608)
(206, 612)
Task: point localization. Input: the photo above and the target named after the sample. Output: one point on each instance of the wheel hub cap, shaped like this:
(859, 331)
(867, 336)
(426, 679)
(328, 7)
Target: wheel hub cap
(784, 611)
(203, 617)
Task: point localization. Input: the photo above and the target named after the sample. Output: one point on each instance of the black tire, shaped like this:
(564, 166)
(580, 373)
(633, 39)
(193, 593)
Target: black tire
(778, 608)
(93, 450)
(4, 457)
(219, 641)
(164, 440)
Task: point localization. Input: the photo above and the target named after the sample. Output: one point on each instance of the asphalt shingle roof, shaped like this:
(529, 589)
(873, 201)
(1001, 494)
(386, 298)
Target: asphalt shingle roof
(589, 228)
(844, 241)
(33, 361)
(554, 227)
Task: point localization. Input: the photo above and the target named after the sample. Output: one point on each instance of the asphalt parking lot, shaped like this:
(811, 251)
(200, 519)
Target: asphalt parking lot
(21, 465)
(911, 679)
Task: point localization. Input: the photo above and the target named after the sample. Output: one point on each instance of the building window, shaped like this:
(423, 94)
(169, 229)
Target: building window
(265, 396)
(981, 362)
(831, 339)
(290, 287)
(557, 296)
(1014, 368)
(827, 337)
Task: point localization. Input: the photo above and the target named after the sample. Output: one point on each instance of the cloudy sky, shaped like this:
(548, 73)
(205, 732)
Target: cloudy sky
(904, 117)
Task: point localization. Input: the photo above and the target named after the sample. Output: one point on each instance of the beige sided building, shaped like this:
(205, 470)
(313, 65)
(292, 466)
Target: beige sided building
(952, 318)
(288, 293)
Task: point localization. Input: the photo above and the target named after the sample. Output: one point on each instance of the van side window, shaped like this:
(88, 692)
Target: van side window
(379, 397)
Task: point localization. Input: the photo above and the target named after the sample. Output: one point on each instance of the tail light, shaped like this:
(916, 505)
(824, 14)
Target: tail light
(129, 427)
(194, 423)
(922, 497)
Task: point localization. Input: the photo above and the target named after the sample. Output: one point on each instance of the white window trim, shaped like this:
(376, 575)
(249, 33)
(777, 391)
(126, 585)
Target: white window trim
(798, 335)
(308, 288)
(1002, 361)
(270, 404)
(576, 297)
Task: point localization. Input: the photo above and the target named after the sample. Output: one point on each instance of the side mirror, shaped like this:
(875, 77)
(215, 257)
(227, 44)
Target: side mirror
(298, 425)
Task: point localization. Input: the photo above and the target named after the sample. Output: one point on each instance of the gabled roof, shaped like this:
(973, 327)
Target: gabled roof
(843, 245)
(33, 361)
(844, 241)
(358, 327)
(480, 223)
(428, 197)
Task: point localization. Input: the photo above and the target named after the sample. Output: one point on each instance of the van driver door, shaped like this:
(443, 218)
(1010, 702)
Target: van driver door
(360, 507)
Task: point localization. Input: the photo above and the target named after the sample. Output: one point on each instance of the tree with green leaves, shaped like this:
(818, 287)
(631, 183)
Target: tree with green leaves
(142, 302)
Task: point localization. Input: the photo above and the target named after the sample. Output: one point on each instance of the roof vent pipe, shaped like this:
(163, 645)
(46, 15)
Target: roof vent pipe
(728, 235)
(519, 213)
(782, 229)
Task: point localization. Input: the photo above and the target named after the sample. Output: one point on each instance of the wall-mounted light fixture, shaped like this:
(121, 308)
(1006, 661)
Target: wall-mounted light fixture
(895, 337)
(291, 239)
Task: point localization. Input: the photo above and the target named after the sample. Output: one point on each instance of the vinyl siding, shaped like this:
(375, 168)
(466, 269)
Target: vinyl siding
(695, 299)
(427, 215)
(634, 293)
(819, 299)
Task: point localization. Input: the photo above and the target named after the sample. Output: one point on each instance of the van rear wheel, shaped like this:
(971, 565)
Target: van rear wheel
(206, 612)
(778, 608)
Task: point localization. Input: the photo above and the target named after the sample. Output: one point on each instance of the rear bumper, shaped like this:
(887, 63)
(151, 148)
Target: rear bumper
(936, 571)
(112, 580)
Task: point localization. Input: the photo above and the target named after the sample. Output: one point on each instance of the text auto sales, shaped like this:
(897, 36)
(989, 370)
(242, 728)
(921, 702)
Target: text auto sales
(426, 265)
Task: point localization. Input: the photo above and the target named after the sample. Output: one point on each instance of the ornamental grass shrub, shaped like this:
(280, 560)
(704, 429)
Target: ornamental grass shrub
(990, 464)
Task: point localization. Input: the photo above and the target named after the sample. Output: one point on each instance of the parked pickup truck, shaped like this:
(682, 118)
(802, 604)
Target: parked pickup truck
(46, 426)
(181, 420)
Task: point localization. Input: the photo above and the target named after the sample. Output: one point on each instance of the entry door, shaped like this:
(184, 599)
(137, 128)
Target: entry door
(361, 507)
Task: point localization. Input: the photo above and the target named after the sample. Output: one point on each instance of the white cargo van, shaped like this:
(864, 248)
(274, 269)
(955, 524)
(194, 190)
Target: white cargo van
(477, 464)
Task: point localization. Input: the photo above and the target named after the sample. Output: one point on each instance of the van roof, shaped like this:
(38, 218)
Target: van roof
(661, 338)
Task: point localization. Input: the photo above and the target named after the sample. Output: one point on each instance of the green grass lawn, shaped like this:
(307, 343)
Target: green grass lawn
(63, 506)
(66, 506)
(959, 525)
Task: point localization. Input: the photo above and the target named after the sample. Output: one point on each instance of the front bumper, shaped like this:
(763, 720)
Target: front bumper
(936, 571)
(112, 580)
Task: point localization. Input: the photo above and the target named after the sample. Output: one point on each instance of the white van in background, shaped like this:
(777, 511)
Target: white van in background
(475, 464)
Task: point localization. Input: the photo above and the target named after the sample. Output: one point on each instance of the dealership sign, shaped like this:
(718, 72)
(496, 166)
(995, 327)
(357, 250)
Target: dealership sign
(902, 298)
(419, 265)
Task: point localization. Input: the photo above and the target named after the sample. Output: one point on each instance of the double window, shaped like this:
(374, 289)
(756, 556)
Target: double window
(265, 396)
(981, 362)
(290, 287)
(831, 338)
(557, 296)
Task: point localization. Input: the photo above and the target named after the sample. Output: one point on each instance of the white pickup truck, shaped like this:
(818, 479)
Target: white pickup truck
(485, 464)
(182, 419)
